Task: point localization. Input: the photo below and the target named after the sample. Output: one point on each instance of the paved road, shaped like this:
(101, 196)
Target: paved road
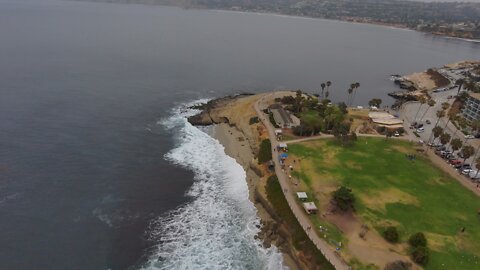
(327, 251)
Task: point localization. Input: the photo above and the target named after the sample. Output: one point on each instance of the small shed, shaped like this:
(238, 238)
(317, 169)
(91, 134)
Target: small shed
(310, 207)
(302, 196)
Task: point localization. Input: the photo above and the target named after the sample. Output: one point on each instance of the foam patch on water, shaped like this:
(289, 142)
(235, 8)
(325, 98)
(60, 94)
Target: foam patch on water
(217, 229)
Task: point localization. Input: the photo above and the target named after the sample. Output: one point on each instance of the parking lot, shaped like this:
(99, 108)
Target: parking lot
(409, 111)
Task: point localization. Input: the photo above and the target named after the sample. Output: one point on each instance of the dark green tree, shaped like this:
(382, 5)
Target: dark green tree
(344, 198)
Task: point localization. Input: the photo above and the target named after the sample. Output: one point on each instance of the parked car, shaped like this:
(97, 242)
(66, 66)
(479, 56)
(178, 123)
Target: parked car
(420, 130)
(396, 134)
(474, 175)
(428, 122)
(469, 137)
(466, 171)
(455, 161)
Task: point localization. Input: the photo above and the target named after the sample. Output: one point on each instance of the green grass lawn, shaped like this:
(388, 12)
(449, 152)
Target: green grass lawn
(413, 195)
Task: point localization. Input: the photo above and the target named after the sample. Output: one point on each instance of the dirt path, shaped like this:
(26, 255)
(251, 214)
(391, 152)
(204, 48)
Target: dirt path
(327, 251)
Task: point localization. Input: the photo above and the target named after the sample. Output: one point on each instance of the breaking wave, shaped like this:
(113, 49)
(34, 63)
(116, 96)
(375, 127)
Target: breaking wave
(217, 228)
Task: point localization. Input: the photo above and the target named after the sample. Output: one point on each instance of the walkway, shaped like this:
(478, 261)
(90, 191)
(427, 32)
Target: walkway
(328, 252)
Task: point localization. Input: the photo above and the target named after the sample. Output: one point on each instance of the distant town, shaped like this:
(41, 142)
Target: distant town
(454, 19)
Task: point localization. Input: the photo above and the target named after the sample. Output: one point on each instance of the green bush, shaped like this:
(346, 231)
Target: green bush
(391, 234)
(417, 240)
(254, 120)
(265, 152)
(272, 120)
(344, 198)
(420, 255)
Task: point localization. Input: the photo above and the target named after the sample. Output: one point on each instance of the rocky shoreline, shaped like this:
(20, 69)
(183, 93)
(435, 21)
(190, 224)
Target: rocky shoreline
(241, 139)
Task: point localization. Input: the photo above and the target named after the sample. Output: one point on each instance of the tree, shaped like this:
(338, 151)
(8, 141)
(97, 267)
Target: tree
(422, 101)
(341, 131)
(420, 255)
(355, 88)
(445, 138)
(456, 144)
(375, 102)
(265, 152)
(391, 234)
(329, 83)
(349, 91)
(459, 82)
(467, 151)
(437, 131)
(430, 103)
(344, 198)
(440, 114)
(323, 88)
(417, 240)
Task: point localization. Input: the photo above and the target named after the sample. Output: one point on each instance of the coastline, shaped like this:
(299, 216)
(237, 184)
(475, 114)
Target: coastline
(353, 20)
(228, 136)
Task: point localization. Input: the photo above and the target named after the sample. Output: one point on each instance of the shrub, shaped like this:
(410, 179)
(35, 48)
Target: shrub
(417, 240)
(344, 198)
(398, 265)
(420, 255)
(391, 234)
(254, 120)
(265, 152)
(272, 120)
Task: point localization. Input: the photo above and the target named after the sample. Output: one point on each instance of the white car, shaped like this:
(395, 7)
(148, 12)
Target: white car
(474, 175)
(420, 130)
(467, 171)
(469, 137)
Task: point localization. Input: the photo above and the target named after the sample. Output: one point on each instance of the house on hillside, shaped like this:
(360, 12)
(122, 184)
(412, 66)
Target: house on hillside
(282, 117)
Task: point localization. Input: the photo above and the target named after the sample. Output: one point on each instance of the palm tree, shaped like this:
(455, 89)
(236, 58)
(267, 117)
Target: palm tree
(422, 101)
(355, 87)
(459, 82)
(445, 138)
(350, 90)
(329, 83)
(456, 144)
(436, 132)
(323, 88)
(430, 103)
(440, 114)
(467, 152)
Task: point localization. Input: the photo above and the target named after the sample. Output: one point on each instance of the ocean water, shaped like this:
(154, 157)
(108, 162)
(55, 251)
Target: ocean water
(217, 228)
(98, 168)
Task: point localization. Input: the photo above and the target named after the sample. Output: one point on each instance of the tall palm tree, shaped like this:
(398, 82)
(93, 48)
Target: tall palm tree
(430, 103)
(436, 132)
(355, 88)
(422, 101)
(445, 138)
(440, 114)
(456, 144)
(467, 152)
(459, 82)
(329, 83)
(349, 91)
(323, 88)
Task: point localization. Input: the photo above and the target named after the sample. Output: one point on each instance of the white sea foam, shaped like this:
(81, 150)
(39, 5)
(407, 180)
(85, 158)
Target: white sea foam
(217, 228)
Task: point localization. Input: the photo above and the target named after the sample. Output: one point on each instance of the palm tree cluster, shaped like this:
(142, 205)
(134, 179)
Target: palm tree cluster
(323, 86)
(352, 91)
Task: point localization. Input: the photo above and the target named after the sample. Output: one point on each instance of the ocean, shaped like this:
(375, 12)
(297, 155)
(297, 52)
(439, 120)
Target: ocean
(98, 167)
